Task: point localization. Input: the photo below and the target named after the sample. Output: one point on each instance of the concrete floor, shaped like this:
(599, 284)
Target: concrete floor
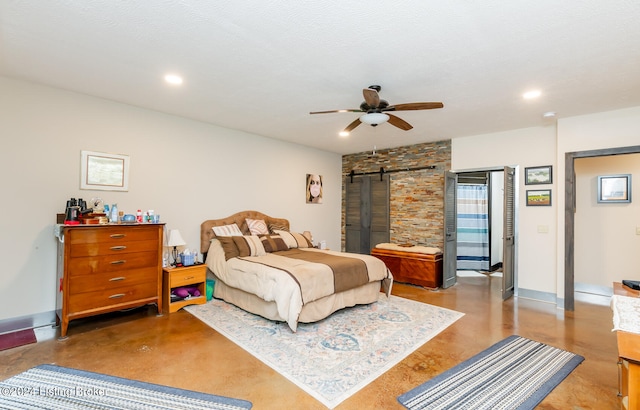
(180, 351)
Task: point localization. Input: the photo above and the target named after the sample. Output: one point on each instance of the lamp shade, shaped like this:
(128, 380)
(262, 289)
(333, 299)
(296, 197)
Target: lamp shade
(374, 118)
(175, 239)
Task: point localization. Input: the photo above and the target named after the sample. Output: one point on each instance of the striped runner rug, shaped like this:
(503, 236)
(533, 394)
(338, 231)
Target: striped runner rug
(515, 373)
(54, 387)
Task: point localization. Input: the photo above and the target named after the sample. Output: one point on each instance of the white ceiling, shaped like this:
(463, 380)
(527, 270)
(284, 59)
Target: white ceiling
(262, 66)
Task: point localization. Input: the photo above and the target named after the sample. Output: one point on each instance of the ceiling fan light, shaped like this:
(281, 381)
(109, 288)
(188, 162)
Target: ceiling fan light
(374, 118)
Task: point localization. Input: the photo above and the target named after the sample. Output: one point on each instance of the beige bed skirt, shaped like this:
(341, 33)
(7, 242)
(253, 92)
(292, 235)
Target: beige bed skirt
(311, 312)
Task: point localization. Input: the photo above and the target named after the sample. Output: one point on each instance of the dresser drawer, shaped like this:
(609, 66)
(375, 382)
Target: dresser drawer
(111, 248)
(89, 265)
(103, 299)
(113, 280)
(187, 278)
(113, 234)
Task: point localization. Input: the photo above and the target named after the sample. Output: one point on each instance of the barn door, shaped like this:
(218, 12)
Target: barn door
(367, 212)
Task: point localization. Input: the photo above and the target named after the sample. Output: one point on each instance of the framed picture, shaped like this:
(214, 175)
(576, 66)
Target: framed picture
(314, 189)
(539, 197)
(614, 188)
(538, 175)
(106, 172)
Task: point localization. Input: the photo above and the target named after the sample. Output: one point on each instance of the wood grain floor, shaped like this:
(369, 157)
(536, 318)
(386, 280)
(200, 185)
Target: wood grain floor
(180, 351)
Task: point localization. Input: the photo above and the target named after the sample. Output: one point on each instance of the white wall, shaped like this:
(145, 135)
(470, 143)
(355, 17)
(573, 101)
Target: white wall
(620, 128)
(607, 248)
(187, 171)
(522, 148)
(541, 255)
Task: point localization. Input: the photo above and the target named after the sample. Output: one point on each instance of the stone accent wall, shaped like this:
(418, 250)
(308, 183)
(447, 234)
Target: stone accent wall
(416, 197)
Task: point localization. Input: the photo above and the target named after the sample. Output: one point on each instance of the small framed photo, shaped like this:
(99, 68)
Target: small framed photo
(538, 175)
(614, 188)
(106, 172)
(539, 197)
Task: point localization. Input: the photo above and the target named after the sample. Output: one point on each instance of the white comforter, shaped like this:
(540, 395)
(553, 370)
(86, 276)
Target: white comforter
(273, 285)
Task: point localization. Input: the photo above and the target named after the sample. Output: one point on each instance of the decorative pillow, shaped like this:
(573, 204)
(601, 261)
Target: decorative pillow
(294, 240)
(229, 247)
(274, 226)
(227, 230)
(257, 226)
(249, 245)
(273, 243)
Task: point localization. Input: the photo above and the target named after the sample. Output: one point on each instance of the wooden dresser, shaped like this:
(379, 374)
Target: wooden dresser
(629, 354)
(105, 268)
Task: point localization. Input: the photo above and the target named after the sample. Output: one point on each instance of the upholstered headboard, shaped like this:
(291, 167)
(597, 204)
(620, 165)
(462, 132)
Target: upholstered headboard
(206, 231)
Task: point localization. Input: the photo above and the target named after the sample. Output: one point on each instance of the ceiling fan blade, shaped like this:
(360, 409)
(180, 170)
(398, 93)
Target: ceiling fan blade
(371, 97)
(354, 124)
(333, 111)
(399, 122)
(415, 106)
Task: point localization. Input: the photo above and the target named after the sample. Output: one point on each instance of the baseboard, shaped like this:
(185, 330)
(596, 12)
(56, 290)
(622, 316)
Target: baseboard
(537, 295)
(27, 322)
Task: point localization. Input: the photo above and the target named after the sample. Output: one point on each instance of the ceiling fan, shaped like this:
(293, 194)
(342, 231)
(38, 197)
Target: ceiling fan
(377, 110)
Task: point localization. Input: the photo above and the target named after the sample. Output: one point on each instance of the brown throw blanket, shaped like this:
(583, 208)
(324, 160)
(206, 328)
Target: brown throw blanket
(348, 273)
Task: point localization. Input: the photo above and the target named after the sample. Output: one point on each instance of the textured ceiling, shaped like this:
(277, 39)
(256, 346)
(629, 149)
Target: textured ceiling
(262, 66)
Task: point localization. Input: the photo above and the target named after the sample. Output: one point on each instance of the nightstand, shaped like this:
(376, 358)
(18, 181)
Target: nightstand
(195, 275)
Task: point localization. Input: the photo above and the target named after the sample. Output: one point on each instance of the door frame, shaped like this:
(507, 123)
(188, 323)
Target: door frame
(516, 187)
(569, 212)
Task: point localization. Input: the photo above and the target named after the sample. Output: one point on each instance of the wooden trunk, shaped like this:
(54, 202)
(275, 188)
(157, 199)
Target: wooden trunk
(410, 267)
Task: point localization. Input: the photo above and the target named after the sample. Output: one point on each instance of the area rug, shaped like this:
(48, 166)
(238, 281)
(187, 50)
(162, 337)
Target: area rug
(15, 339)
(515, 373)
(54, 387)
(334, 358)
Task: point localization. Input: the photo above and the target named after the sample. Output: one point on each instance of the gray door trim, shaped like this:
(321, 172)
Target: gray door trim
(569, 211)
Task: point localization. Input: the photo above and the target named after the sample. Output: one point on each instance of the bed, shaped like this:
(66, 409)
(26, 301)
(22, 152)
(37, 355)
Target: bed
(280, 276)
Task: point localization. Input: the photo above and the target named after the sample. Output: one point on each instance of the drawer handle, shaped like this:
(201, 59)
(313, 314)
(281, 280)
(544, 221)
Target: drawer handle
(118, 235)
(120, 262)
(116, 296)
(189, 277)
(117, 279)
(118, 248)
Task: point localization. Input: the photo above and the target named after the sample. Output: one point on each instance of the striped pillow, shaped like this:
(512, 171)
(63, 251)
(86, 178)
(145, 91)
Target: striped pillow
(273, 243)
(249, 245)
(275, 226)
(229, 247)
(257, 226)
(227, 230)
(294, 240)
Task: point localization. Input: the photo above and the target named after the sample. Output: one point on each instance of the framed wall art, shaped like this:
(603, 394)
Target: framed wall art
(539, 197)
(106, 172)
(538, 175)
(314, 189)
(614, 188)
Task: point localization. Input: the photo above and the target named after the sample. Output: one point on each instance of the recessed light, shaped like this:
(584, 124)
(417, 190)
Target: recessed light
(532, 94)
(549, 114)
(343, 133)
(173, 79)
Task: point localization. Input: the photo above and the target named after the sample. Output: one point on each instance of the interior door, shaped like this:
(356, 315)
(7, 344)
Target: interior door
(508, 264)
(450, 253)
(367, 213)
(379, 227)
(353, 230)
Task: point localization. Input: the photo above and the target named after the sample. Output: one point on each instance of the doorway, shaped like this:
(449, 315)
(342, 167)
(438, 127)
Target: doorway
(463, 227)
(480, 197)
(569, 211)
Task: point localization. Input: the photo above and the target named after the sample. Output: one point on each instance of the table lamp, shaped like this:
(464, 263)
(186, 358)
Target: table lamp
(175, 240)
